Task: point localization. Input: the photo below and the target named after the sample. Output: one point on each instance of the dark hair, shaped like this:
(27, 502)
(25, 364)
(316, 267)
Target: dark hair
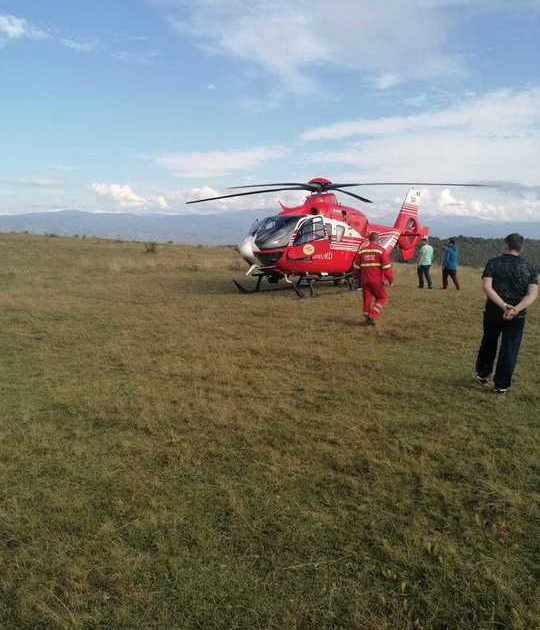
(373, 237)
(451, 241)
(514, 241)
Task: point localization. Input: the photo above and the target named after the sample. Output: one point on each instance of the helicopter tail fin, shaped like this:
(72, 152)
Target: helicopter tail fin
(408, 224)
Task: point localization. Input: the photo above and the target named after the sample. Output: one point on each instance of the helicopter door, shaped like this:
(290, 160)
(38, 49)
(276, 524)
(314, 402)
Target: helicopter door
(304, 243)
(310, 230)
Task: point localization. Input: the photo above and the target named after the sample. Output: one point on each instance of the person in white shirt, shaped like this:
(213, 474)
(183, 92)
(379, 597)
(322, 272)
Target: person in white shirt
(424, 259)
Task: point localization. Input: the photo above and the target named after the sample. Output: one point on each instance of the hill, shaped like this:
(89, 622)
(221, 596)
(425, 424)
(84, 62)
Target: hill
(217, 229)
(211, 229)
(175, 455)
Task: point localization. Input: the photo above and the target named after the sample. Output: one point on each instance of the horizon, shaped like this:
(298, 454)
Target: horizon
(236, 211)
(218, 229)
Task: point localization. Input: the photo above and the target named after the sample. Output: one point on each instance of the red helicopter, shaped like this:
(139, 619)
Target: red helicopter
(317, 241)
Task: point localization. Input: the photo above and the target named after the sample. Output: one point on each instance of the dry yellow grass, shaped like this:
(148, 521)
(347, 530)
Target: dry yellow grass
(175, 455)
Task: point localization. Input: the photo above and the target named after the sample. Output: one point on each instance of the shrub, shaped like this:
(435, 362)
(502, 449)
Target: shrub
(150, 248)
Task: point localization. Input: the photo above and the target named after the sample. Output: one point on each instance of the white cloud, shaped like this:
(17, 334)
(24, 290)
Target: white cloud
(435, 202)
(440, 156)
(79, 46)
(489, 138)
(162, 203)
(447, 203)
(493, 137)
(121, 195)
(269, 201)
(255, 32)
(510, 202)
(500, 113)
(386, 80)
(292, 40)
(367, 35)
(122, 198)
(217, 163)
(12, 27)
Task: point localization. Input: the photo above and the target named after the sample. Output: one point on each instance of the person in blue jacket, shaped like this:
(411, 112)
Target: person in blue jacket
(449, 264)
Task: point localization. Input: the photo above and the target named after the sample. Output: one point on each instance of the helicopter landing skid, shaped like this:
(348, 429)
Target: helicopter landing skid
(257, 289)
(302, 282)
(245, 290)
(346, 279)
(298, 290)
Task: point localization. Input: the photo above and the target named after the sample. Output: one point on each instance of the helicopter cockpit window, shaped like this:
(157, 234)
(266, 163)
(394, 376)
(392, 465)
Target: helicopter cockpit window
(340, 232)
(274, 232)
(310, 231)
(268, 224)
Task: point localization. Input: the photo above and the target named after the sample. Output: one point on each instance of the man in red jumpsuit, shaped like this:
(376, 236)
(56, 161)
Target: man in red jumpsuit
(373, 269)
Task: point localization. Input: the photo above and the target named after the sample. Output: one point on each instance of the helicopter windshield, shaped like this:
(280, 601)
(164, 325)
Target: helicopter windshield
(254, 227)
(275, 231)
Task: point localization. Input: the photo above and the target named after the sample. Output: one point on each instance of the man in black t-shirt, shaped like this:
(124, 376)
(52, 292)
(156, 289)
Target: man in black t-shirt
(511, 285)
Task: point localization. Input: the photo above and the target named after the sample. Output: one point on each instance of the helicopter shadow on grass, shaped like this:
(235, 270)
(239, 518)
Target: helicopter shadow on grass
(319, 291)
(220, 286)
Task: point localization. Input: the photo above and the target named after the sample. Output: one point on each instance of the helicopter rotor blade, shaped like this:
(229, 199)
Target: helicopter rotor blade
(304, 186)
(252, 192)
(337, 186)
(346, 192)
(320, 188)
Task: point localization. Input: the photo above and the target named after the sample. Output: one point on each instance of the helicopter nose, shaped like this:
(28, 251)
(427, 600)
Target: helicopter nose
(246, 249)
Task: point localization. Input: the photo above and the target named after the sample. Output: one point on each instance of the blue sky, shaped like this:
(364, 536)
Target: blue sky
(136, 106)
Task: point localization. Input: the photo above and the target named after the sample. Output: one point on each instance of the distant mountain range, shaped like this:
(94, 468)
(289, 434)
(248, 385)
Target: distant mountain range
(216, 229)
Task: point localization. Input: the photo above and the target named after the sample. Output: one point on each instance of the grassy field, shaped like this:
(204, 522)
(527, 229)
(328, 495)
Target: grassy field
(174, 455)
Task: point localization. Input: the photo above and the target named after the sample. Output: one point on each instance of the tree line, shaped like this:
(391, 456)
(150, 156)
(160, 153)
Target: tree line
(475, 252)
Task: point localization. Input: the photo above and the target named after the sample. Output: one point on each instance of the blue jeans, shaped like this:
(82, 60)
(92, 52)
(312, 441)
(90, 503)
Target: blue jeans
(424, 270)
(511, 331)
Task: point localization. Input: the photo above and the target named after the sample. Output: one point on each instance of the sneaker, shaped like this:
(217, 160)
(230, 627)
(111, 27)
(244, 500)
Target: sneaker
(370, 321)
(500, 390)
(483, 380)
